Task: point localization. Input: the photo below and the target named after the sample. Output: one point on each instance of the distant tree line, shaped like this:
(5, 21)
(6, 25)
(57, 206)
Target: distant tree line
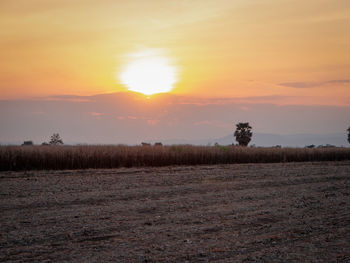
(243, 135)
(55, 139)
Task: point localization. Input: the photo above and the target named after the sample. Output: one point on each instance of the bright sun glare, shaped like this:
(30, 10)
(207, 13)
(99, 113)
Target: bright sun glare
(149, 72)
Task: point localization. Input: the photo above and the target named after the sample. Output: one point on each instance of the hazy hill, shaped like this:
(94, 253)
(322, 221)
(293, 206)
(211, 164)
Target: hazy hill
(268, 139)
(259, 139)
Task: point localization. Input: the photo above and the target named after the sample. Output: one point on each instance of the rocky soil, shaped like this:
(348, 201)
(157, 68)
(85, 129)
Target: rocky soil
(291, 212)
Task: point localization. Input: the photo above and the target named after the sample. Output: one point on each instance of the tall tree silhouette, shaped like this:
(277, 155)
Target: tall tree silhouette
(349, 135)
(55, 139)
(243, 133)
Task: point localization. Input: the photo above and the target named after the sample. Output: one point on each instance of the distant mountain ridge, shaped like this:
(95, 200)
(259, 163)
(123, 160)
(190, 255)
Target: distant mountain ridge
(269, 139)
(259, 139)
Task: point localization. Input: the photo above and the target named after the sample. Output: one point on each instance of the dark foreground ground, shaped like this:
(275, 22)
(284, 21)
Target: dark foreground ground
(296, 212)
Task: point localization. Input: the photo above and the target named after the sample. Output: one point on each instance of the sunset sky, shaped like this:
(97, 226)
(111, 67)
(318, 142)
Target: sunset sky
(243, 53)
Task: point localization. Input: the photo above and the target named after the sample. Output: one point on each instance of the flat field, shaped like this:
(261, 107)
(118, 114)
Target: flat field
(297, 212)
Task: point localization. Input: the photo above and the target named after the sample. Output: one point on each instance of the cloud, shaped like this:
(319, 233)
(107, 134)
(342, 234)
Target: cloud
(338, 81)
(96, 114)
(152, 122)
(71, 98)
(306, 85)
(271, 99)
(128, 121)
(127, 118)
(299, 85)
(214, 123)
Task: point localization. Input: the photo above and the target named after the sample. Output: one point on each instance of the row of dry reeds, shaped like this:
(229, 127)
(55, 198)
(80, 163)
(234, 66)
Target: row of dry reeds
(83, 157)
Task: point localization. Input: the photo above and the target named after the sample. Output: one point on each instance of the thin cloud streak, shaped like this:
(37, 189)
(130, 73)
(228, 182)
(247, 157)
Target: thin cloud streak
(306, 85)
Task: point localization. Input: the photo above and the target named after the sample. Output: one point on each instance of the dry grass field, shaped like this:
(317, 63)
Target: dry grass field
(18, 158)
(277, 212)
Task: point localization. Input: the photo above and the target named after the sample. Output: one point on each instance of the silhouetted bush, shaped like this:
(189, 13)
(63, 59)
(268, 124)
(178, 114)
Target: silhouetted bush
(26, 143)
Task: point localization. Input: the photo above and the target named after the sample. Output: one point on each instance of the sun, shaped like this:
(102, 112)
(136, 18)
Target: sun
(149, 72)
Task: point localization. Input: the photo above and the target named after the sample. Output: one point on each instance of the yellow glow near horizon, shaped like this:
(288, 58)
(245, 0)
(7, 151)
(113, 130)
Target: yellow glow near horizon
(149, 72)
(204, 48)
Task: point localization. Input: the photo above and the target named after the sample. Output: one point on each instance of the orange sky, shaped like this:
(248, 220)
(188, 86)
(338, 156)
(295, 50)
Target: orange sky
(298, 50)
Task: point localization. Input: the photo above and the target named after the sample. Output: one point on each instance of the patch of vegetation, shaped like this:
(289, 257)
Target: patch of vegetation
(51, 157)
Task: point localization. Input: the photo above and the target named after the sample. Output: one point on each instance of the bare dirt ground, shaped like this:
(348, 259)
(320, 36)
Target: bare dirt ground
(292, 212)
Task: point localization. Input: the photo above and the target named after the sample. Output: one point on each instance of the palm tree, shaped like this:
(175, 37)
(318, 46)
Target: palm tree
(243, 133)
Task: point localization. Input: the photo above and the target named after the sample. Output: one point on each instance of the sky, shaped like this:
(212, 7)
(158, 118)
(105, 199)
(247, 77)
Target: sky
(286, 58)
